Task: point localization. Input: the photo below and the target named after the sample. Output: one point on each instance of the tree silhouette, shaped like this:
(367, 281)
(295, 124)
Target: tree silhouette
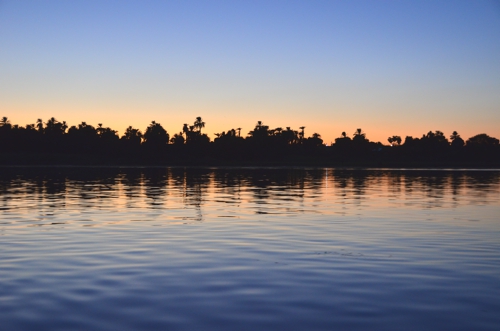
(132, 135)
(434, 141)
(359, 137)
(83, 138)
(106, 134)
(177, 139)
(185, 129)
(156, 135)
(456, 140)
(314, 141)
(193, 133)
(39, 125)
(359, 133)
(199, 124)
(301, 133)
(5, 122)
(290, 136)
(131, 141)
(482, 140)
(343, 139)
(52, 140)
(6, 143)
(394, 140)
(54, 127)
(260, 132)
(484, 149)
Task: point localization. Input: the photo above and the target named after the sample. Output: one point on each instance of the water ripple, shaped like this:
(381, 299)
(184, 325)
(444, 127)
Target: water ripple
(247, 249)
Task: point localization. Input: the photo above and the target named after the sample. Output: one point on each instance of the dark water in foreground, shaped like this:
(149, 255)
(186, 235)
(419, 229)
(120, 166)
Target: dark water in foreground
(249, 249)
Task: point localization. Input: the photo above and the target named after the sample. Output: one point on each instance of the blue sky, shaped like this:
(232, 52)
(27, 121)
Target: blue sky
(388, 67)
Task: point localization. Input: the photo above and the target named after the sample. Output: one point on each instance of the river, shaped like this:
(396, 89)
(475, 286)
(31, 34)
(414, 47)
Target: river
(249, 249)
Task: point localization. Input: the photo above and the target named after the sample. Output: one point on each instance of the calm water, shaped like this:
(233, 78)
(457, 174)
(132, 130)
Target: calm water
(249, 249)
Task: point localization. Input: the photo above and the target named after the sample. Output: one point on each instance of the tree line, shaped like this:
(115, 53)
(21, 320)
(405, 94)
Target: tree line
(55, 142)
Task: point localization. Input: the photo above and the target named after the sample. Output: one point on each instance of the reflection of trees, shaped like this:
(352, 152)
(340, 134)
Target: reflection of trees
(280, 188)
(359, 185)
(132, 180)
(314, 181)
(95, 188)
(456, 183)
(284, 187)
(155, 181)
(425, 188)
(351, 183)
(194, 183)
(261, 187)
(265, 190)
(435, 186)
(229, 183)
(479, 185)
(395, 182)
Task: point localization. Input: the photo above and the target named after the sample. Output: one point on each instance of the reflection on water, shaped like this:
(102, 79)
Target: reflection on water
(226, 248)
(264, 191)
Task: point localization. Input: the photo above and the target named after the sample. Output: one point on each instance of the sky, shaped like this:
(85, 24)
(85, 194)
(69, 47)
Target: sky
(387, 67)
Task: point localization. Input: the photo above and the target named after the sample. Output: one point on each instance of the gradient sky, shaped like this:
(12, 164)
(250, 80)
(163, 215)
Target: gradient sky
(388, 67)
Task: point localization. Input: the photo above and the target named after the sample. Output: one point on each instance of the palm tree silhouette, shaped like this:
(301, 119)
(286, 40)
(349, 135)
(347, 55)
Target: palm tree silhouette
(39, 124)
(260, 131)
(301, 134)
(4, 121)
(99, 129)
(199, 124)
(358, 133)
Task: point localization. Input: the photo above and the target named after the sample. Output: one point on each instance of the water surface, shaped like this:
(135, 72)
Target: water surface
(249, 249)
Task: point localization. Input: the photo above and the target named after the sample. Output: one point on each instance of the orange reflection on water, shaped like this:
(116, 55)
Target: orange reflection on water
(185, 195)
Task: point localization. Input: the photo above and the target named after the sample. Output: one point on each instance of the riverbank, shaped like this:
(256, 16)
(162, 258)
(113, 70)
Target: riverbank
(323, 160)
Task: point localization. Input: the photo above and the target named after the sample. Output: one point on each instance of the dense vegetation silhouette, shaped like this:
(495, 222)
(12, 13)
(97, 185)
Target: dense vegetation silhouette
(54, 142)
